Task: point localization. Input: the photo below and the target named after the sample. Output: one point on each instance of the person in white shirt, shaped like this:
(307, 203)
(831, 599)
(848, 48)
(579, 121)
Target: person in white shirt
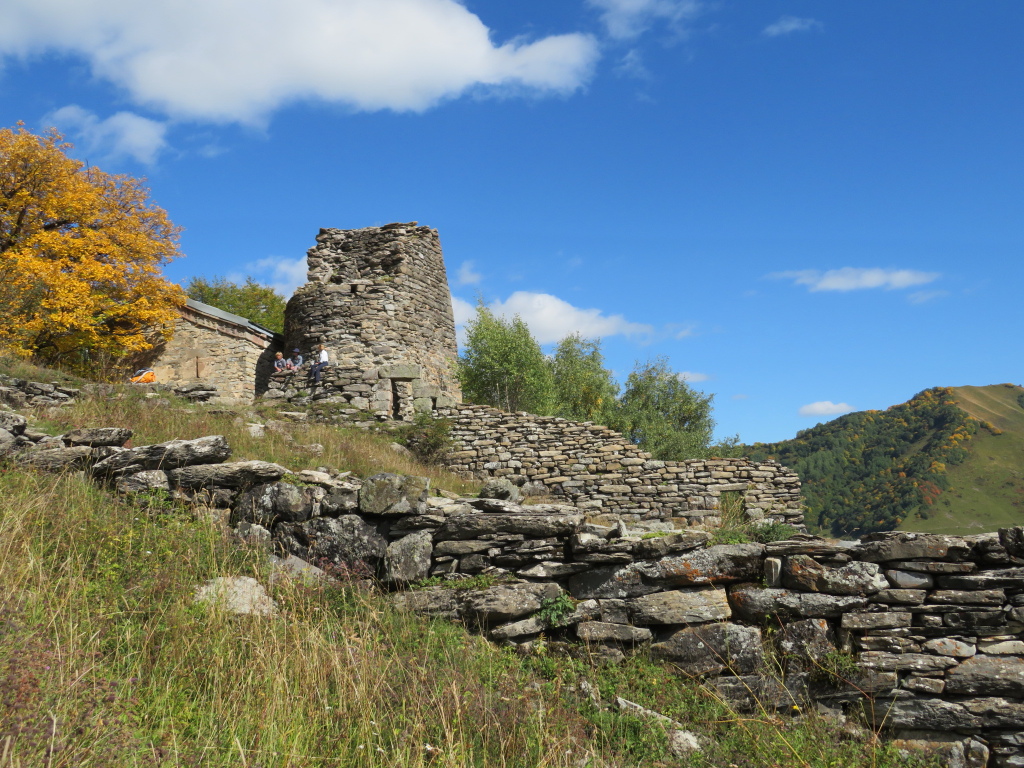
(321, 363)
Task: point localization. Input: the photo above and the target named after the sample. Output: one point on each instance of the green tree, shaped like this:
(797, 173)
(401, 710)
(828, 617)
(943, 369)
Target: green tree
(583, 388)
(662, 414)
(502, 365)
(253, 301)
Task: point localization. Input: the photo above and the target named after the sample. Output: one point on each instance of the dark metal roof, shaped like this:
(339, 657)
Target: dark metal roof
(220, 314)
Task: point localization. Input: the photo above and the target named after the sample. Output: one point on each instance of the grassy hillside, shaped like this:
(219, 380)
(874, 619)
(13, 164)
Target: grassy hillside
(106, 662)
(949, 460)
(985, 491)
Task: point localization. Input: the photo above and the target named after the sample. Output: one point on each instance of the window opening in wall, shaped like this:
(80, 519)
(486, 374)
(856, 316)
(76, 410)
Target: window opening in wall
(396, 401)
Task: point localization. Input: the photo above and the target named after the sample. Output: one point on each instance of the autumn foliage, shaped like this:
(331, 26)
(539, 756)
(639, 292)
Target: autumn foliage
(81, 253)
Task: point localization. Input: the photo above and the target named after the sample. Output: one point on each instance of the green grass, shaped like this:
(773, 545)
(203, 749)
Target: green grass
(109, 663)
(986, 492)
(106, 662)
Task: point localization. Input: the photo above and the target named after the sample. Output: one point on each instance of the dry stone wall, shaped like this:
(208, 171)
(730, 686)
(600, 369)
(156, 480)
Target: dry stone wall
(383, 393)
(597, 469)
(378, 300)
(923, 633)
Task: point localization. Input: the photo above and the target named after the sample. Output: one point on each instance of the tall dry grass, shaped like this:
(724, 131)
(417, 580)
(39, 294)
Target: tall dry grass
(117, 666)
(157, 419)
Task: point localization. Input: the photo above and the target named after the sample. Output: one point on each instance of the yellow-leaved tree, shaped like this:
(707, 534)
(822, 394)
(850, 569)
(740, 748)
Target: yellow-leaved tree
(81, 253)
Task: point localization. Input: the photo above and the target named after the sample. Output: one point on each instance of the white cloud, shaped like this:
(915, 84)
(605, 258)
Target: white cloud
(124, 134)
(691, 377)
(920, 297)
(789, 24)
(626, 19)
(463, 310)
(466, 275)
(229, 60)
(824, 408)
(552, 319)
(854, 278)
(284, 274)
(741, 397)
(632, 65)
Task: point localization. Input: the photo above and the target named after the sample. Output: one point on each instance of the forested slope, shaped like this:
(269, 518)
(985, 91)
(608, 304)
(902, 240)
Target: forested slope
(951, 459)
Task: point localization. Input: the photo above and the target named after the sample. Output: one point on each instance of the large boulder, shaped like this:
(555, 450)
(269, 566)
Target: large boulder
(806, 644)
(804, 573)
(713, 648)
(348, 543)
(8, 442)
(166, 456)
(340, 499)
(408, 558)
(388, 494)
(269, 503)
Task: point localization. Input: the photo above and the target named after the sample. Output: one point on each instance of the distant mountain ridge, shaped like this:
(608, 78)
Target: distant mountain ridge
(949, 460)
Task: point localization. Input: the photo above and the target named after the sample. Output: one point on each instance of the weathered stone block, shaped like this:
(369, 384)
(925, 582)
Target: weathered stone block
(713, 648)
(680, 606)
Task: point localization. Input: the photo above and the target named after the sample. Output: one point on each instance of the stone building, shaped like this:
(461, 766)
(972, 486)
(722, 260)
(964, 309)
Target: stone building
(214, 347)
(378, 300)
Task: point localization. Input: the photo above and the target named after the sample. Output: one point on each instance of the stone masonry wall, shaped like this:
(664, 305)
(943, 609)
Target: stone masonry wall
(208, 350)
(923, 634)
(378, 298)
(597, 469)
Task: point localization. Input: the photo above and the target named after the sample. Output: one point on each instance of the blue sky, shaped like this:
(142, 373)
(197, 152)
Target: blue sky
(807, 207)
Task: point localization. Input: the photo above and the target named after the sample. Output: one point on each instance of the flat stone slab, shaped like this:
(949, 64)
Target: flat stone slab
(714, 565)
(988, 675)
(166, 456)
(680, 606)
(97, 436)
(880, 547)
(235, 474)
(755, 603)
(473, 526)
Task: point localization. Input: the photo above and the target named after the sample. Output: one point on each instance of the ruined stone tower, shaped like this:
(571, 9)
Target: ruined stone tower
(377, 299)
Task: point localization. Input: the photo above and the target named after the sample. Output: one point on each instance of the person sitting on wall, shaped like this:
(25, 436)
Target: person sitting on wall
(318, 367)
(280, 364)
(294, 362)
